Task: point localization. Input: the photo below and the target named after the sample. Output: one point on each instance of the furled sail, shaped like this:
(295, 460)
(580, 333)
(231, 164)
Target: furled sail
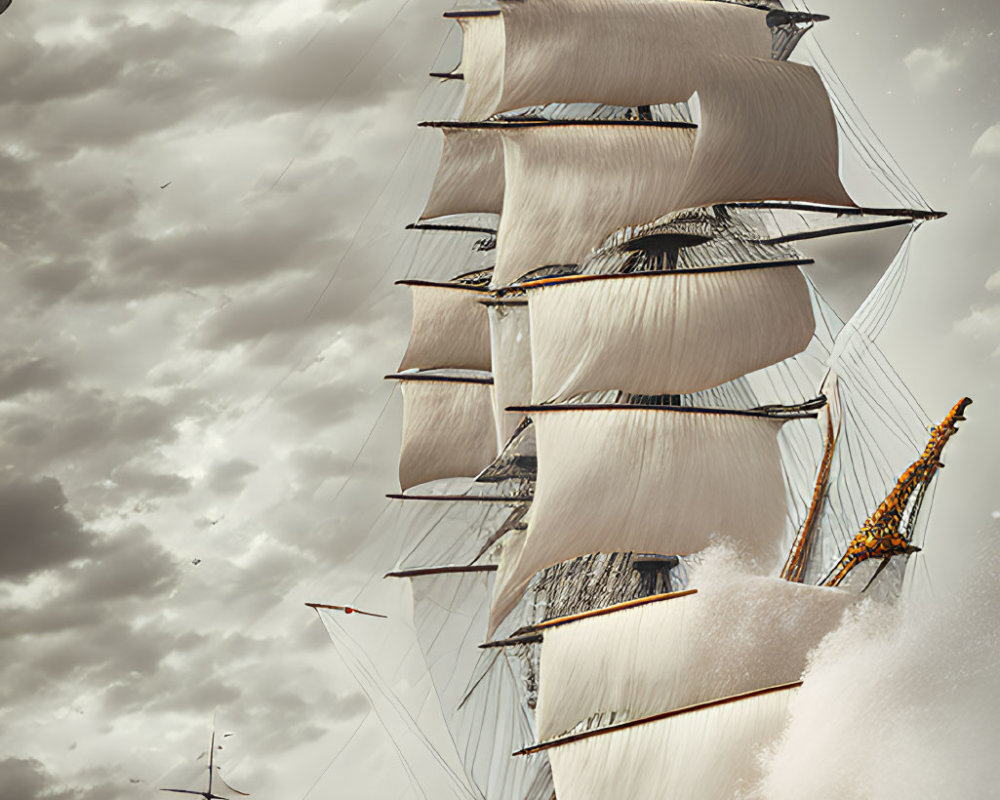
(447, 428)
(450, 328)
(569, 186)
(736, 634)
(665, 333)
(708, 752)
(767, 132)
(510, 335)
(470, 177)
(647, 479)
(600, 50)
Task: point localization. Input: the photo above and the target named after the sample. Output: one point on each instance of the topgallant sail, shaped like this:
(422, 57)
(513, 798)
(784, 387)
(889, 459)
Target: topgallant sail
(669, 448)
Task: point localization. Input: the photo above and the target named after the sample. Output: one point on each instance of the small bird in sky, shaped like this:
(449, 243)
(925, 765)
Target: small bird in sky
(196, 561)
(164, 186)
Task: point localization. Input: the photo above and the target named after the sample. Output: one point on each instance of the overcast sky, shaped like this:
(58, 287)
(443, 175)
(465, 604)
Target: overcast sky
(202, 212)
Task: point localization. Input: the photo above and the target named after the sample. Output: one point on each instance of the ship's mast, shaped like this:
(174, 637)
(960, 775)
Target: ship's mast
(633, 377)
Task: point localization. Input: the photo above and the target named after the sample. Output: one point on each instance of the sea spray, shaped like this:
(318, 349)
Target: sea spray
(902, 702)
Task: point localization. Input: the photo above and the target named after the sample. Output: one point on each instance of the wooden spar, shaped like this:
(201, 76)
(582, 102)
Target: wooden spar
(456, 570)
(677, 409)
(461, 498)
(576, 737)
(787, 262)
(419, 376)
(345, 609)
(501, 302)
(531, 634)
(795, 565)
(600, 612)
(464, 287)
(822, 232)
(490, 12)
(847, 211)
(554, 123)
(496, 12)
(779, 17)
(813, 404)
(425, 226)
(513, 641)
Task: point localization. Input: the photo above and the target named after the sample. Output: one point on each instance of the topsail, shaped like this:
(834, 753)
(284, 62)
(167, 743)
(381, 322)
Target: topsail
(563, 51)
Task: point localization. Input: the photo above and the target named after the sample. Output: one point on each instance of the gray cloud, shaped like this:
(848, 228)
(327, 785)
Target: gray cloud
(327, 405)
(50, 282)
(21, 373)
(146, 333)
(94, 421)
(142, 78)
(131, 565)
(28, 779)
(272, 309)
(135, 481)
(229, 476)
(248, 250)
(162, 363)
(33, 73)
(37, 532)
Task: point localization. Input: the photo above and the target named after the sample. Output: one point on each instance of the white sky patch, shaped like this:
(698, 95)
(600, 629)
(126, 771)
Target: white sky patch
(982, 323)
(988, 145)
(929, 66)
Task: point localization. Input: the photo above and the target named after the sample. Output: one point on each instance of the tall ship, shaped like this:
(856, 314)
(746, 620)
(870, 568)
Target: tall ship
(651, 450)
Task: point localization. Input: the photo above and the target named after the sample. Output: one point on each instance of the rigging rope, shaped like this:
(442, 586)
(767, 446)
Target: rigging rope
(372, 683)
(883, 158)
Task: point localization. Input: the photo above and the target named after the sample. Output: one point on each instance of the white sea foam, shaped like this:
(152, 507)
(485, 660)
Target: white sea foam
(901, 701)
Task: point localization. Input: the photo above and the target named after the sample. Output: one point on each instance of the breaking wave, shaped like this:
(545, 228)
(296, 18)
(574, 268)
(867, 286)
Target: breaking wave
(901, 701)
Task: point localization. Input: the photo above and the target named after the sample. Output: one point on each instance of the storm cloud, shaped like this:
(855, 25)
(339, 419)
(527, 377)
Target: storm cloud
(203, 211)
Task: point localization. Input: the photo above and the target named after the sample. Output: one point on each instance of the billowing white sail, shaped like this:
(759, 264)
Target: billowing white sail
(470, 178)
(570, 186)
(447, 429)
(708, 753)
(620, 52)
(479, 691)
(767, 132)
(652, 480)
(702, 682)
(510, 335)
(664, 333)
(482, 64)
(450, 328)
(738, 633)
